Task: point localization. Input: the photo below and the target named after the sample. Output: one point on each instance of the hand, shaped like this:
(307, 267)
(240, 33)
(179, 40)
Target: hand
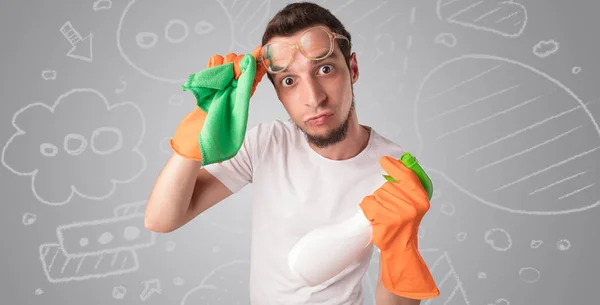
(185, 141)
(218, 59)
(395, 211)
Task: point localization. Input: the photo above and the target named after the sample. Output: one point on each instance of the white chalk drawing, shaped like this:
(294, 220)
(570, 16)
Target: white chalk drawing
(484, 112)
(73, 144)
(482, 275)
(99, 132)
(101, 5)
(409, 44)
(372, 48)
(447, 208)
(83, 254)
(121, 233)
(178, 281)
(446, 39)
(39, 291)
(529, 275)
(49, 74)
(81, 47)
(123, 86)
(151, 287)
(119, 292)
(170, 246)
(437, 194)
(28, 219)
(60, 268)
(208, 30)
(536, 243)
(576, 191)
(563, 245)
(203, 27)
(372, 10)
(249, 19)
(176, 100)
(223, 285)
(501, 301)
(384, 44)
(452, 290)
(498, 239)
(504, 18)
(165, 146)
(576, 70)
(370, 43)
(461, 236)
(421, 232)
(177, 24)
(545, 48)
(145, 40)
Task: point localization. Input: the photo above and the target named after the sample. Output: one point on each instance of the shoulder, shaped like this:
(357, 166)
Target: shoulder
(274, 130)
(383, 146)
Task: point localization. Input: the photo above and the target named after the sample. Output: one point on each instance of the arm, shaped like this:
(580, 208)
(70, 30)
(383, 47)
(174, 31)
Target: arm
(183, 188)
(385, 297)
(181, 192)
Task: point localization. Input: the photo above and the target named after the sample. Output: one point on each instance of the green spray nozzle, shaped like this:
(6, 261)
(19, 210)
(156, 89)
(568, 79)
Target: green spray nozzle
(411, 162)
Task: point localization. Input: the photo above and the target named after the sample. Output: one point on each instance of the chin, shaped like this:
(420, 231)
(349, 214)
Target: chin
(323, 129)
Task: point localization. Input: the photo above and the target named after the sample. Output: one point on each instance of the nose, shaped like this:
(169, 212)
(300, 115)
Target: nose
(314, 93)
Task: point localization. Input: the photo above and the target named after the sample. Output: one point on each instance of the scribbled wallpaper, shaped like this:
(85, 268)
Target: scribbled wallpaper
(499, 101)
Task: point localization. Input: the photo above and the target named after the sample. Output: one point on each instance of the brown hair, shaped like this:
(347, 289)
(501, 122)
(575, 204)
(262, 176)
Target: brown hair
(300, 15)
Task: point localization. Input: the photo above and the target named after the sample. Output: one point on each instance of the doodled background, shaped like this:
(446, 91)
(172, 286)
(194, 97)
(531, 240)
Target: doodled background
(484, 247)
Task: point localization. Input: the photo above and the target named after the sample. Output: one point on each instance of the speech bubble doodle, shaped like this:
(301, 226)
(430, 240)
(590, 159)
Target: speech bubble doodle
(184, 33)
(59, 160)
(508, 136)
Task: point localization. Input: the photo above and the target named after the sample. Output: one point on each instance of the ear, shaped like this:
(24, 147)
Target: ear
(353, 68)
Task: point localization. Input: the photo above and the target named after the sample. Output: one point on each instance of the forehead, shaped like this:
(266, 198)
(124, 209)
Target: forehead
(296, 35)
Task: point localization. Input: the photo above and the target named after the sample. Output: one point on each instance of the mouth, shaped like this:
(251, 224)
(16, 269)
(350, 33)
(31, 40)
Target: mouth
(319, 119)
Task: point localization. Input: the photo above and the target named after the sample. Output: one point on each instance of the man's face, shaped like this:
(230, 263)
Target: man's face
(309, 89)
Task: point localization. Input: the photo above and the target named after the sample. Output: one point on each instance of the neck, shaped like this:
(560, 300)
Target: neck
(355, 141)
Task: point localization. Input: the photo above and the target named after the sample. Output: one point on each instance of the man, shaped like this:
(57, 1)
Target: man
(310, 171)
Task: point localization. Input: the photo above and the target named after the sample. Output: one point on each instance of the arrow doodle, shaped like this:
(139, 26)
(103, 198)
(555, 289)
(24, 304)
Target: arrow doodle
(150, 287)
(80, 50)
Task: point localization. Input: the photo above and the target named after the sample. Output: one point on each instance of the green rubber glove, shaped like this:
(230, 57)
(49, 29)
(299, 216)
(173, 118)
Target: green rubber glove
(222, 94)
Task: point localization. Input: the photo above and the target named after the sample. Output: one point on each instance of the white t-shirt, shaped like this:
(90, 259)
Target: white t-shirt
(296, 190)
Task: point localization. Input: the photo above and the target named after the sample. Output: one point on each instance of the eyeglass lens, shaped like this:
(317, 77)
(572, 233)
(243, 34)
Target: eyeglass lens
(315, 44)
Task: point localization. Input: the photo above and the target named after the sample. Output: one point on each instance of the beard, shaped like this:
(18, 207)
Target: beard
(334, 136)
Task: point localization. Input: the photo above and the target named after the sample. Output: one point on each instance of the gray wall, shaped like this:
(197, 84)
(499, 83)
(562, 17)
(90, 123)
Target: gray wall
(498, 100)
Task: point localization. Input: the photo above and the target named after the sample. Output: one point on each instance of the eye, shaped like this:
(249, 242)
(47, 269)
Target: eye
(326, 69)
(287, 81)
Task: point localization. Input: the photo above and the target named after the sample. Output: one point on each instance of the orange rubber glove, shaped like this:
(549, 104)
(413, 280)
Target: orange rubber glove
(185, 140)
(395, 211)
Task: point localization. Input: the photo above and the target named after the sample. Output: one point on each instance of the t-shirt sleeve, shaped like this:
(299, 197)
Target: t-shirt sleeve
(237, 172)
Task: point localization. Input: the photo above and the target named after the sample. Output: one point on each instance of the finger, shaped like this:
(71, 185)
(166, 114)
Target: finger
(229, 58)
(260, 72)
(408, 183)
(237, 69)
(214, 60)
(398, 170)
(395, 205)
(260, 67)
(256, 52)
(369, 206)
